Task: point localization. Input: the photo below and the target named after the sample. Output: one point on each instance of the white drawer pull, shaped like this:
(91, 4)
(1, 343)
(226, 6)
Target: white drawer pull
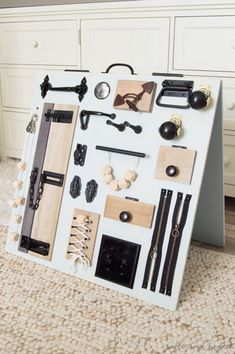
(34, 44)
(230, 105)
(226, 160)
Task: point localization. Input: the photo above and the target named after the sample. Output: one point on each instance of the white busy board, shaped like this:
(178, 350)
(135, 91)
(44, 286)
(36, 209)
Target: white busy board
(201, 133)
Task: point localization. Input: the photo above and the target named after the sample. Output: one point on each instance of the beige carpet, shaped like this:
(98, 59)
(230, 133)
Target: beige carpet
(45, 311)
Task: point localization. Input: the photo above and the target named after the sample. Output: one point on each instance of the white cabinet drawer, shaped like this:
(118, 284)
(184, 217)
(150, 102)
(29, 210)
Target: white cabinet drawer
(142, 43)
(18, 87)
(229, 160)
(229, 104)
(14, 130)
(52, 43)
(205, 43)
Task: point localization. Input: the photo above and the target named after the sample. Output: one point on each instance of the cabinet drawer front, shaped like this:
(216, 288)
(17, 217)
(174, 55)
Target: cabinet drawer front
(43, 42)
(229, 103)
(18, 87)
(229, 160)
(139, 42)
(205, 43)
(14, 125)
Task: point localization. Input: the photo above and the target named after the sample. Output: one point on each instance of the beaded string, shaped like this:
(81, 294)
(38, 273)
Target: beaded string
(118, 184)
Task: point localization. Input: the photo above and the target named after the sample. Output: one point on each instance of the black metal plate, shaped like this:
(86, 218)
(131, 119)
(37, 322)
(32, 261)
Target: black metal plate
(117, 261)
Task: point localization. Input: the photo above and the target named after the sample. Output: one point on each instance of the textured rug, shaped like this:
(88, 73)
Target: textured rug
(43, 311)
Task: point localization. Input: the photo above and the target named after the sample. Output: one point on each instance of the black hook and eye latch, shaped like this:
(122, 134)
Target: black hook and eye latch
(29, 244)
(80, 90)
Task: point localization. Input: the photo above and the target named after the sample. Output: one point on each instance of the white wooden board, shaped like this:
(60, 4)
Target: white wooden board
(197, 131)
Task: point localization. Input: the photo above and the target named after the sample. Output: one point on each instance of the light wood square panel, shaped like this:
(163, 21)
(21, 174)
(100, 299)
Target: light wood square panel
(132, 88)
(181, 158)
(141, 214)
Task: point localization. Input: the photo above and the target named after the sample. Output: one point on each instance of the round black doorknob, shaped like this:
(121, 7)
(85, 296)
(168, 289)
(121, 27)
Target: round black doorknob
(168, 130)
(171, 171)
(124, 216)
(197, 99)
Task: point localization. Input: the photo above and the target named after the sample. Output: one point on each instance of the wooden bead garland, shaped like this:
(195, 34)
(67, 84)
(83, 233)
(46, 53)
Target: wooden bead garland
(116, 185)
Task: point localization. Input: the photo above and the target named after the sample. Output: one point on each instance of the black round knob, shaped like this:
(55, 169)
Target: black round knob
(168, 130)
(197, 100)
(171, 171)
(124, 216)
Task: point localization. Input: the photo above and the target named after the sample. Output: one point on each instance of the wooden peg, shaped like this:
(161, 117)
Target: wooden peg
(17, 219)
(22, 166)
(14, 236)
(17, 184)
(20, 201)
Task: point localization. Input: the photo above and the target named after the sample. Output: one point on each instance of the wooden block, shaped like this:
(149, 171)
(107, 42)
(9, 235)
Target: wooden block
(88, 252)
(182, 159)
(56, 160)
(145, 104)
(141, 214)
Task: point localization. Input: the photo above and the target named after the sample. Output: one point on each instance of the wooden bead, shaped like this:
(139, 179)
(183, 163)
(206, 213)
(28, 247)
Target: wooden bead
(14, 236)
(17, 219)
(114, 185)
(108, 178)
(106, 170)
(20, 201)
(22, 166)
(124, 184)
(12, 203)
(17, 184)
(130, 176)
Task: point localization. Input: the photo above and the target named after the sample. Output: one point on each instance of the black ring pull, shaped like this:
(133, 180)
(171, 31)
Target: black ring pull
(120, 64)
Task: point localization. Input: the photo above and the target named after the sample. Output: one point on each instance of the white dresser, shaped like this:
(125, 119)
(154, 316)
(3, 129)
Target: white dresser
(152, 36)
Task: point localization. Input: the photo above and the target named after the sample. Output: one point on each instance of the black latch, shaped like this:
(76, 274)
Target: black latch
(36, 246)
(56, 179)
(175, 88)
(80, 154)
(59, 116)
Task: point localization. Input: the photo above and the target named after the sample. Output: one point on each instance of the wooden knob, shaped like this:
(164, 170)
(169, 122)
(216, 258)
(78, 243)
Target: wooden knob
(197, 99)
(230, 105)
(34, 44)
(226, 160)
(14, 236)
(17, 184)
(12, 203)
(233, 44)
(20, 201)
(17, 219)
(168, 130)
(22, 166)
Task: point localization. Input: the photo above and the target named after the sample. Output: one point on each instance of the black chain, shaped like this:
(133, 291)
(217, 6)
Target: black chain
(33, 179)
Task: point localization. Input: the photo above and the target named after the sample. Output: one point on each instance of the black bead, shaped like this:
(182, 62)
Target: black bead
(168, 130)
(197, 100)
(124, 216)
(171, 171)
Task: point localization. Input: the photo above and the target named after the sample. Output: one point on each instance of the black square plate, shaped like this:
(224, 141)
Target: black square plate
(117, 261)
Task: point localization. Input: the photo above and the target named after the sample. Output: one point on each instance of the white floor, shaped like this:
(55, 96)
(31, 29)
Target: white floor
(8, 174)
